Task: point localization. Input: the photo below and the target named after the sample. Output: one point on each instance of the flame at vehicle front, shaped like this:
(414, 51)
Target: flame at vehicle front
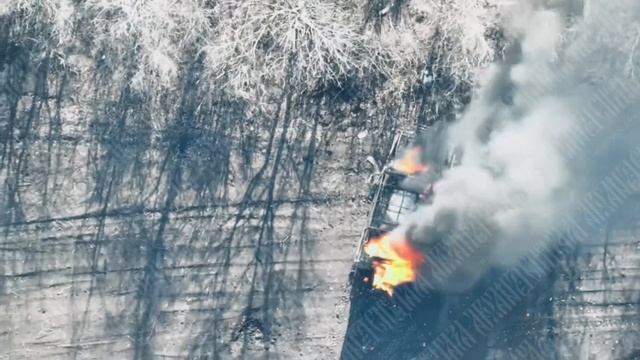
(410, 163)
(395, 261)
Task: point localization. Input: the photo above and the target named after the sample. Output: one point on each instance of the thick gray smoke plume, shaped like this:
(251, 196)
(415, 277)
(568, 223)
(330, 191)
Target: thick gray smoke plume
(545, 125)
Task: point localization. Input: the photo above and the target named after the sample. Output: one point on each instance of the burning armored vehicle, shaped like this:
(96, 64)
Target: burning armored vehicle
(384, 260)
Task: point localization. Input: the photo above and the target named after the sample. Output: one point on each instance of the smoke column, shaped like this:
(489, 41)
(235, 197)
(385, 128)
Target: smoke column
(545, 125)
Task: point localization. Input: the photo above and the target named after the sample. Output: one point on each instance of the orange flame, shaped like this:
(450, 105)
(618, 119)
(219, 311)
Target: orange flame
(410, 163)
(395, 261)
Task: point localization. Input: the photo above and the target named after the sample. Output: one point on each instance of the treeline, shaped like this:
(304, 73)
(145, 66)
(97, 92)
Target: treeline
(254, 49)
(245, 68)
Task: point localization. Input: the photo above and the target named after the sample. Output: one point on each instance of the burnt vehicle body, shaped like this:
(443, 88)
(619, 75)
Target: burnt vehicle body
(395, 195)
(559, 317)
(380, 326)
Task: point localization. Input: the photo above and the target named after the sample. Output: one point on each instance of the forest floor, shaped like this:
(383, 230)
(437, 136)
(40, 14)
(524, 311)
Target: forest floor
(110, 247)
